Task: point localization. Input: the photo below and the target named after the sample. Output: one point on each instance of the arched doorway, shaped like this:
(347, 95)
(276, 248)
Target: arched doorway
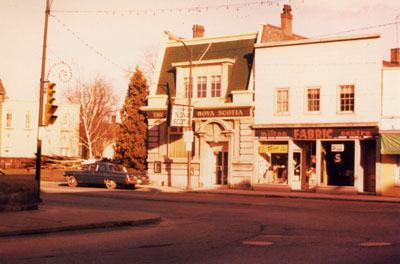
(215, 160)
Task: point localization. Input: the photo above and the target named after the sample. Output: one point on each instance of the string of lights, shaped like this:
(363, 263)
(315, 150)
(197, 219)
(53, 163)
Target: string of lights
(198, 9)
(96, 51)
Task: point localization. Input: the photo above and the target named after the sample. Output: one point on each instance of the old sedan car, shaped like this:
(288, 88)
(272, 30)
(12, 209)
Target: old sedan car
(103, 173)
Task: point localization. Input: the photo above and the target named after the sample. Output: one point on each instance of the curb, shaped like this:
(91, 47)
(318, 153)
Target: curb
(109, 224)
(316, 197)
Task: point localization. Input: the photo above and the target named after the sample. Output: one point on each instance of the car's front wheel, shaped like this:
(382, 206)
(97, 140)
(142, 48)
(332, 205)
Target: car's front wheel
(72, 181)
(110, 184)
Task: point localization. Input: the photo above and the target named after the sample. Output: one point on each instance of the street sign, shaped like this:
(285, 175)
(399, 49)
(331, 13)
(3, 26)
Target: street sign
(180, 115)
(188, 138)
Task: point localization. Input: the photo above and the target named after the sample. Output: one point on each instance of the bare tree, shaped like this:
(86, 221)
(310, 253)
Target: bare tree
(148, 63)
(98, 103)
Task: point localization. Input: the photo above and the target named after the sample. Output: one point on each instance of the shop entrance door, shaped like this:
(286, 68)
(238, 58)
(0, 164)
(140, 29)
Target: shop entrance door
(368, 163)
(222, 168)
(297, 169)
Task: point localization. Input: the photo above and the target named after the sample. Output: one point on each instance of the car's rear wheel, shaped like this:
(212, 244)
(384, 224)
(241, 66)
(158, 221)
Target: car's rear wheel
(110, 184)
(72, 181)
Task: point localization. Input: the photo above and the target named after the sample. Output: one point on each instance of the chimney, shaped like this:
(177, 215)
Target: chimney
(395, 55)
(286, 20)
(198, 31)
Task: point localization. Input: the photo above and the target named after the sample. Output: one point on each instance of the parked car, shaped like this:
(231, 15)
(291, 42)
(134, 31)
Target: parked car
(104, 173)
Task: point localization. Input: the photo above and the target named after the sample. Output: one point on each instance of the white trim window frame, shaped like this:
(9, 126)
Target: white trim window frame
(216, 85)
(282, 101)
(186, 82)
(346, 99)
(202, 86)
(28, 120)
(313, 99)
(9, 119)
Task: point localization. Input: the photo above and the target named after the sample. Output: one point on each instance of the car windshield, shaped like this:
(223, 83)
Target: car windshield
(118, 168)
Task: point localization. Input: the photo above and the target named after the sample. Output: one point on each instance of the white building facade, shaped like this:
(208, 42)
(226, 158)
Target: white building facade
(19, 128)
(317, 111)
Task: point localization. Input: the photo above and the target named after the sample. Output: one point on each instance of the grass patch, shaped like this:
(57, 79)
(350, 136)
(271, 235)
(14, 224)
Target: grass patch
(18, 192)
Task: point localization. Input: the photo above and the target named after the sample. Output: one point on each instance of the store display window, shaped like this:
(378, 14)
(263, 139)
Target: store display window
(273, 163)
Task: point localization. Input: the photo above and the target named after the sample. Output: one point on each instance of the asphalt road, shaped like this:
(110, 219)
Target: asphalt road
(203, 228)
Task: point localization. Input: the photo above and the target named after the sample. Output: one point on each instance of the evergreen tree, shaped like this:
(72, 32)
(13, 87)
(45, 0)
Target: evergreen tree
(131, 142)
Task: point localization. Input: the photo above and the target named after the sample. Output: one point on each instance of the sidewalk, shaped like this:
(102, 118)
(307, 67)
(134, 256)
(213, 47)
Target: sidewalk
(50, 218)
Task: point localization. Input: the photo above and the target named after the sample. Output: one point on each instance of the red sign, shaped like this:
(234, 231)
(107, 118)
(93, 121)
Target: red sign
(317, 133)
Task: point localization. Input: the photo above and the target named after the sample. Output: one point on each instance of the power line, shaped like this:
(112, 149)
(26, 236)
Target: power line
(358, 29)
(96, 51)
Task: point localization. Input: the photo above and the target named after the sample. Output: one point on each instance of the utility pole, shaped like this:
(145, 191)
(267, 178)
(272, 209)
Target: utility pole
(41, 92)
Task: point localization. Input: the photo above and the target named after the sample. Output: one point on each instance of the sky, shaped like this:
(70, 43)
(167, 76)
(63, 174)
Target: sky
(103, 37)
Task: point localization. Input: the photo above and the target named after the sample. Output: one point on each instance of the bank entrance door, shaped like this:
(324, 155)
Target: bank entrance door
(222, 168)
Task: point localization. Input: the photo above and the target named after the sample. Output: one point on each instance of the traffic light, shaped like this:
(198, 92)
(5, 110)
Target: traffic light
(50, 108)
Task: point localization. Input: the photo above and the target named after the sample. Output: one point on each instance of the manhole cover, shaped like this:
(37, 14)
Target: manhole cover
(375, 244)
(257, 243)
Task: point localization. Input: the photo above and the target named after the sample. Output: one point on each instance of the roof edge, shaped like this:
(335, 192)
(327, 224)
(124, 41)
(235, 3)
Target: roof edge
(206, 40)
(317, 40)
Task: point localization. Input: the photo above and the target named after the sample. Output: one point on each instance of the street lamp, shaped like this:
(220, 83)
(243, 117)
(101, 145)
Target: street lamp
(189, 94)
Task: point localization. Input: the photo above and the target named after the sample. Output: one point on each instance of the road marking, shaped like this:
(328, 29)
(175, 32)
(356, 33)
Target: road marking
(375, 244)
(257, 243)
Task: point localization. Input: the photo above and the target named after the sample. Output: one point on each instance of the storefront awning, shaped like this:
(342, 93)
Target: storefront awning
(390, 144)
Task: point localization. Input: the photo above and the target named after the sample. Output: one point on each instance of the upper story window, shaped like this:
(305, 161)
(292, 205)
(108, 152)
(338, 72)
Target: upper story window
(209, 78)
(282, 101)
(9, 121)
(65, 122)
(313, 99)
(187, 90)
(201, 86)
(28, 121)
(346, 98)
(216, 86)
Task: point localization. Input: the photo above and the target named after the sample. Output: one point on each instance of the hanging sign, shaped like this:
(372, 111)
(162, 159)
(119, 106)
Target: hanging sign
(180, 115)
(337, 147)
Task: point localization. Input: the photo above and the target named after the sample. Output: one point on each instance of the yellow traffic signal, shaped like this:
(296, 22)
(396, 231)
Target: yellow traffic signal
(50, 108)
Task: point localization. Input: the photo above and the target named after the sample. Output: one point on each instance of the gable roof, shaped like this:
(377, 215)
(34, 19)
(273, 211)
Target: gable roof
(239, 48)
(270, 33)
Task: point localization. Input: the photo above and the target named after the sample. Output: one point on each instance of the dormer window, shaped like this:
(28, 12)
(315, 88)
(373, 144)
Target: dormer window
(201, 86)
(210, 78)
(215, 86)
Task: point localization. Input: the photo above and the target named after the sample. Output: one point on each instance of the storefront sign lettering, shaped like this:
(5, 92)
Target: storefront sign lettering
(234, 112)
(313, 133)
(273, 148)
(156, 114)
(271, 133)
(317, 133)
(180, 115)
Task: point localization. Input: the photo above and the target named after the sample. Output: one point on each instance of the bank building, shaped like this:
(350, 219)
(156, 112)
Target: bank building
(221, 137)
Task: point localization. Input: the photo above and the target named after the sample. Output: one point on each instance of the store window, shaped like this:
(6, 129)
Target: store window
(216, 86)
(282, 101)
(313, 99)
(273, 163)
(177, 145)
(346, 99)
(201, 86)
